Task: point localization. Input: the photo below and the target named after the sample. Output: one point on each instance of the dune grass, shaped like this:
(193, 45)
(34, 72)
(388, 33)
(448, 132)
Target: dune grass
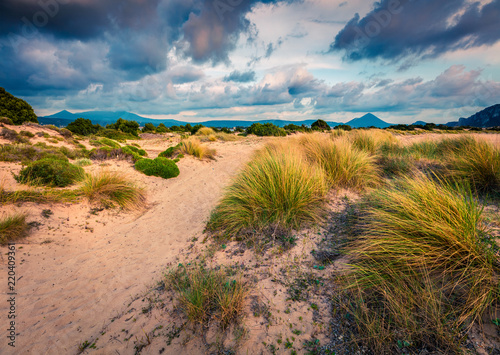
(112, 189)
(278, 187)
(477, 162)
(425, 268)
(205, 131)
(370, 140)
(192, 146)
(345, 165)
(13, 227)
(208, 294)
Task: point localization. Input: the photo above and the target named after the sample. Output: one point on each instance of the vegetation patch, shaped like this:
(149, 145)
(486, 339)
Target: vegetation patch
(50, 172)
(111, 189)
(193, 147)
(425, 267)
(162, 167)
(207, 294)
(13, 227)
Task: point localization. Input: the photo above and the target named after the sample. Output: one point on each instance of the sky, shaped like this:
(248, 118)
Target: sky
(197, 60)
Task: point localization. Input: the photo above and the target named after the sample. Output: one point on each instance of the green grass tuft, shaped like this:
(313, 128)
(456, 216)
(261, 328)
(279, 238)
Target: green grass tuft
(13, 227)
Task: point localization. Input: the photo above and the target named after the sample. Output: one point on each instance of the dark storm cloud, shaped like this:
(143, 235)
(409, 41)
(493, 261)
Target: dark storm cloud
(396, 29)
(240, 77)
(134, 37)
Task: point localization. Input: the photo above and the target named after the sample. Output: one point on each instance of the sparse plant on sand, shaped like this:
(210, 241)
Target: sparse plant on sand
(207, 294)
(13, 227)
(109, 189)
(192, 146)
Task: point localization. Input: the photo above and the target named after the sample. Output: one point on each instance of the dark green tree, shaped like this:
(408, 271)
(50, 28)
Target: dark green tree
(17, 110)
(125, 126)
(148, 127)
(83, 127)
(320, 125)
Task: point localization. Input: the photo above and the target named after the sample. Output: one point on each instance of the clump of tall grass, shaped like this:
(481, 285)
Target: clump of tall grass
(425, 268)
(208, 294)
(13, 227)
(193, 147)
(477, 162)
(345, 165)
(205, 131)
(110, 188)
(370, 140)
(278, 187)
(83, 162)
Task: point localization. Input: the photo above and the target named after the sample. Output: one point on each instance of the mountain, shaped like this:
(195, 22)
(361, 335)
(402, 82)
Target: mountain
(368, 120)
(106, 117)
(489, 117)
(419, 123)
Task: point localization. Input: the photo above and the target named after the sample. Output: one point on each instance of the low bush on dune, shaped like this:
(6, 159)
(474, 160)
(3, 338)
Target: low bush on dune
(135, 152)
(169, 152)
(345, 165)
(205, 294)
(13, 227)
(111, 189)
(277, 188)
(162, 167)
(424, 269)
(83, 162)
(193, 147)
(50, 172)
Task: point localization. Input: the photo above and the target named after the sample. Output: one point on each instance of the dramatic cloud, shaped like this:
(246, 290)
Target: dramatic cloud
(240, 77)
(397, 29)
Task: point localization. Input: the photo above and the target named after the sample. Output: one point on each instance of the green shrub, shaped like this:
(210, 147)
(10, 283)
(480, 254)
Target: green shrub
(320, 125)
(266, 129)
(129, 127)
(83, 127)
(26, 134)
(6, 120)
(109, 143)
(50, 172)
(116, 135)
(169, 153)
(148, 128)
(160, 166)
(134, 152)
(26, 153)
(13, 227)
(83, 162)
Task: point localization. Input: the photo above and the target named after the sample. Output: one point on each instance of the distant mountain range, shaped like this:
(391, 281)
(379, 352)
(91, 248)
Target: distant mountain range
(489, 117)
(103, 118)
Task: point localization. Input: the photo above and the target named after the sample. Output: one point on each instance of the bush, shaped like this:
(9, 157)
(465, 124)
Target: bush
(169, 152)
(207, 294)
(83, 162)
(266, 129)
(320, 125)
(12, 135)
(148, 127)
(26, 134)
(277, 188)
(160, 166)
(83, 127)
(13, 227)
(19, 111)
(344, 127)
(116, 135)
(162, 128)
(109, 143)
(50, 172)
(6, 120)
(134, 152)
(112, 188)
(425, 268)
(66, 133)
(26, 153)
(130, 127)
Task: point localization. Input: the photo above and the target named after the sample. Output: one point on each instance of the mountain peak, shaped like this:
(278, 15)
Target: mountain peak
(368, 120)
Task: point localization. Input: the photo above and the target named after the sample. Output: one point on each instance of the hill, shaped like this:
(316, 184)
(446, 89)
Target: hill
(489, 117)
(16, 109)
(103, 118)
(107, 117)
(368, 120)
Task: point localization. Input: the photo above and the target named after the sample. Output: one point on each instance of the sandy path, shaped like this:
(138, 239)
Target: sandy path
(90, 267)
